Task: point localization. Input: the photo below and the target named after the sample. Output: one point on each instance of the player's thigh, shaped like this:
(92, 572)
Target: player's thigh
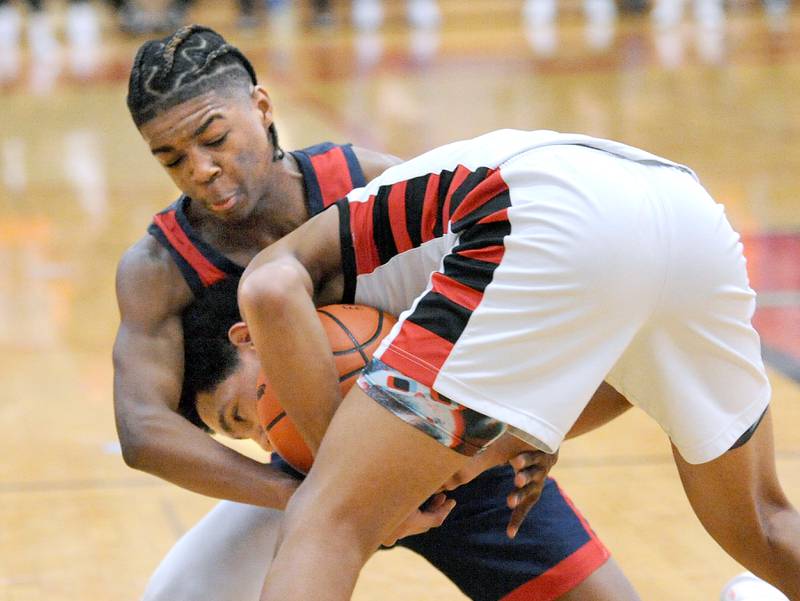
(372, 470)
(223, 557)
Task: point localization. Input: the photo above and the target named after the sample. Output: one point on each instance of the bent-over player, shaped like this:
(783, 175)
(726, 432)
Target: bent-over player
(526, 267)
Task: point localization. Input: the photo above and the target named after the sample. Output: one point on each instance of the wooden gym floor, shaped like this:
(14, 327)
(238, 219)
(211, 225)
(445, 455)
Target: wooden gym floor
(77, 186)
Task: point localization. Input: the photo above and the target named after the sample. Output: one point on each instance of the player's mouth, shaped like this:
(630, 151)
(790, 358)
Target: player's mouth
(224, 204)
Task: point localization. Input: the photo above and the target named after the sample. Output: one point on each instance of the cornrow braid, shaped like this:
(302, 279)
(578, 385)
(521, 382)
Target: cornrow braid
(192, 61)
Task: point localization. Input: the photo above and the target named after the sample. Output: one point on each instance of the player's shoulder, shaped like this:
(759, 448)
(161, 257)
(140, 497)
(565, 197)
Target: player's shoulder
(147, 272)
(144, 256)
(373, 163)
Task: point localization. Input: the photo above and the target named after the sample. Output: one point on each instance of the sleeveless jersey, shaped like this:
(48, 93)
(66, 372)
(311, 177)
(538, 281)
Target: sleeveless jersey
(329, 172)
(396, 231)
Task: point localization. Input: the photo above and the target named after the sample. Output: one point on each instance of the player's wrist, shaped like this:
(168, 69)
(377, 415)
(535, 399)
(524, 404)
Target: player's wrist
(285, 488)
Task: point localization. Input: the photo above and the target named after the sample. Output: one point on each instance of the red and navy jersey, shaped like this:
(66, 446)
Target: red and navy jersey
(329, 172)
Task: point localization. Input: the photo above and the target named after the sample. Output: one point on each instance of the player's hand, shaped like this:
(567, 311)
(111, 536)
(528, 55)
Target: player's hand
(530, 472)
(495, 454)
(431, 515)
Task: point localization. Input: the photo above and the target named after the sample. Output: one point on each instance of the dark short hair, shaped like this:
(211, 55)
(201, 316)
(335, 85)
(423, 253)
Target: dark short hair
(209, 357)
(190, 62)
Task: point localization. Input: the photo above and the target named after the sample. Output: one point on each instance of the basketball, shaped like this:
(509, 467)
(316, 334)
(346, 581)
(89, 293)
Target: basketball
(354, 333)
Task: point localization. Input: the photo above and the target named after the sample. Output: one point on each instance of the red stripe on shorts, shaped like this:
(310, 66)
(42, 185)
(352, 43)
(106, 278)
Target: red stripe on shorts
(457, 292)
(335, 182)
(366, 251)
(492, 185)
(417, 353)
(569, 572)
(208, 272)
(495, 217)
(397, 217)
(488, 254)
(564, 576)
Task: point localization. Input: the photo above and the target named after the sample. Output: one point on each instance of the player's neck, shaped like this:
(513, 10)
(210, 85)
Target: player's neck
(282, 205)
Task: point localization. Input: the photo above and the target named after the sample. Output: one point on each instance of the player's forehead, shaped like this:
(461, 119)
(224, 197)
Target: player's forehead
(210, 405)
(189, 118)
(230, 397)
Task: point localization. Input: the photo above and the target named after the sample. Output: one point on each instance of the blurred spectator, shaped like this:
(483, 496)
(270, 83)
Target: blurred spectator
(368, 14)
(136, 21)
(10, 26)
(633, 6)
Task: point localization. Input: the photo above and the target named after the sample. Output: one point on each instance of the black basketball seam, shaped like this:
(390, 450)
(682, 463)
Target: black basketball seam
(277, 418)
(377, 330)
(345, 377)
(353, 339)
(367, 342)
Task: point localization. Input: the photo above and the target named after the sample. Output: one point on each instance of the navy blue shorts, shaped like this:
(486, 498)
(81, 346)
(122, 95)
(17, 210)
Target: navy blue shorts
(554, 551)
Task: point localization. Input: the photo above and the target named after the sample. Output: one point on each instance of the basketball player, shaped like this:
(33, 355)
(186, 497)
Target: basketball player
(526, 267)
(196, 102)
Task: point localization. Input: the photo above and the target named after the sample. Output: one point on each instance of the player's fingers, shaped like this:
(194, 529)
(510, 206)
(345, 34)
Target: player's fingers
(519, 512)
(528, 459)
(531, 475)
(532, 490)
(434, 502)
(443, 511)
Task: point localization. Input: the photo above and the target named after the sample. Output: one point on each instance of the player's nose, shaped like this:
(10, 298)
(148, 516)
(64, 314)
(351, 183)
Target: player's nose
(203, 169)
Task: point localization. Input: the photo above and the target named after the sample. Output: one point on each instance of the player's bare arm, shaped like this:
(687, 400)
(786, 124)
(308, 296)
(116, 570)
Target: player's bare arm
(148, 371)
(277, 295)
(374, 163)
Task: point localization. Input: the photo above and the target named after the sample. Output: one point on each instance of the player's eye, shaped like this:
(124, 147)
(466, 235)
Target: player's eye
(173, 163)
(218, 141)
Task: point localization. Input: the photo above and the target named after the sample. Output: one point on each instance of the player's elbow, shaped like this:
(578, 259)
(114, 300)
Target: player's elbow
(138, 445)
(133, 450)
(270, 287)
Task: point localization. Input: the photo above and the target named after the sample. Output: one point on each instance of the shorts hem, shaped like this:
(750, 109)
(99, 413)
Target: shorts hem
(706, 451)
(418, 419)
(564, 576)
(540, 433)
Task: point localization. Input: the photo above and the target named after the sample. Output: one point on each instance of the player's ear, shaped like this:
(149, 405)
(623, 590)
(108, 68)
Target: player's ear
(239, 334)
(263, 103)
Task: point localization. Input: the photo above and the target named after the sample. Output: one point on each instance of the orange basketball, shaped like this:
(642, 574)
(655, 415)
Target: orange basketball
(354, 332)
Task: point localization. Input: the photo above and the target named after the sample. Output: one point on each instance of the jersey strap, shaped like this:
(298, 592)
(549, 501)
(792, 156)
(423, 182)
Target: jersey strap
(330, 171)
(200, 264)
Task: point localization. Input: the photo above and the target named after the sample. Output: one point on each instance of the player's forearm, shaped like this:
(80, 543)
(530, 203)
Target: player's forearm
(194, 461)
(295, 352)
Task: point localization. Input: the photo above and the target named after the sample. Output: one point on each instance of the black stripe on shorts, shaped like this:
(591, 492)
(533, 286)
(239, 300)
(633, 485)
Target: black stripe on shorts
(382, 226)
(414, 201)
(438, 314)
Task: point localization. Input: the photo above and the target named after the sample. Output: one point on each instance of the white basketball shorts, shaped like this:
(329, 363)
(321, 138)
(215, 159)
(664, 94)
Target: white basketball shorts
(613, 270)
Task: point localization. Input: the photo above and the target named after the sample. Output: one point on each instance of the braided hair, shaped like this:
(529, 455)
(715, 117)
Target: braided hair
(192, 61)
